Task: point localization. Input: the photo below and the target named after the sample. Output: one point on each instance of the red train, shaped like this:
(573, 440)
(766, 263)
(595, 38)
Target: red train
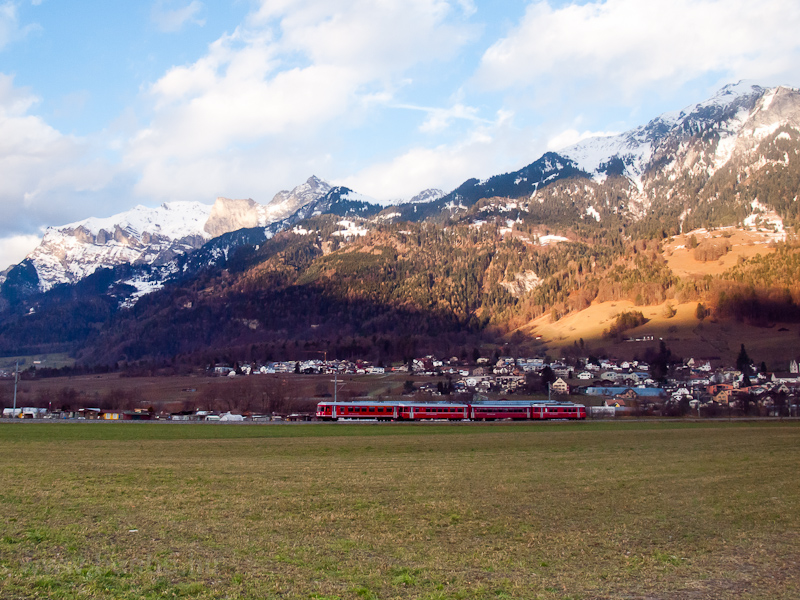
(429, 411)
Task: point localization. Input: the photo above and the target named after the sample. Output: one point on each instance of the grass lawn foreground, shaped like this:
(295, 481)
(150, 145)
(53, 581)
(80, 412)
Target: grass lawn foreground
(556, 510)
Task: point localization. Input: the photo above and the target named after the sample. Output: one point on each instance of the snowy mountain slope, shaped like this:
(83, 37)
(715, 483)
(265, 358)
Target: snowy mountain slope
(631, 153)
(141, 235)
(674, 165)
(714, 173)
(156, 235)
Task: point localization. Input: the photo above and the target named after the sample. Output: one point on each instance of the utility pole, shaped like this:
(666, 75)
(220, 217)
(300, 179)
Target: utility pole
(16, 380)
(335, 383)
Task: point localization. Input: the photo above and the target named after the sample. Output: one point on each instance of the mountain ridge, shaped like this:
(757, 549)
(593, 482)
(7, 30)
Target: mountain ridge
(645, 157)
(480, 261)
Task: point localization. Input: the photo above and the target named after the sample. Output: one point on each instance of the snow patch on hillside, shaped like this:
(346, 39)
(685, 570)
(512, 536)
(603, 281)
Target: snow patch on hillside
(143, 287)
(350, 229)
(548, 240)
(763, 218)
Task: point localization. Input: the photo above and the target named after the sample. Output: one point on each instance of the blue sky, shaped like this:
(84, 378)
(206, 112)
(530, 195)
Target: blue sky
(104, 106)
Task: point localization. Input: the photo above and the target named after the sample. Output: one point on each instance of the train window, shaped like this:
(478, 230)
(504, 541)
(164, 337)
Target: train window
(371, 409)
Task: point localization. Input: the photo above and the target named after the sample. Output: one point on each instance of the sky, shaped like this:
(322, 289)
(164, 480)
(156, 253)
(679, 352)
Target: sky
(109, 105)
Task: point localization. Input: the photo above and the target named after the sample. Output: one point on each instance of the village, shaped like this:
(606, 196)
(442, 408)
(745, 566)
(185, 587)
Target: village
(607, 387)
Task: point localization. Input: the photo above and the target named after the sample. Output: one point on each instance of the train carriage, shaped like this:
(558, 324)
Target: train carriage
(562, 411)
(421, 411)
(496, 412)
(382, 411)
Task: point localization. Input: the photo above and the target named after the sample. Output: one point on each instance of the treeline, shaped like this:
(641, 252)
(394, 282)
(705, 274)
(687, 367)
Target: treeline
(624, 322)
(265, 394)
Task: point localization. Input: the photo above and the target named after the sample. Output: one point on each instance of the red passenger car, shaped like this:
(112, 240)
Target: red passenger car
(382, 411)
(420, 411)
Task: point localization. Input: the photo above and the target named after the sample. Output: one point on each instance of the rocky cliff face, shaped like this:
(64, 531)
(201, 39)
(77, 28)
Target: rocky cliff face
(230, 215)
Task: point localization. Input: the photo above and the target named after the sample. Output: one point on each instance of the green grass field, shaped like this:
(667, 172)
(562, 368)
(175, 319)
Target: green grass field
(557, 510)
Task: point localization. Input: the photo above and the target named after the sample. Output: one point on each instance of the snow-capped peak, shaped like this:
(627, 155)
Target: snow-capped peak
(146, 235)
(285, 203)
(429, 195)
(173, 220)
(630, 153)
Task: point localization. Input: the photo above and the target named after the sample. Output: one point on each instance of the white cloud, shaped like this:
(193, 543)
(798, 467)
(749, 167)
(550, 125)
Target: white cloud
(624, 46)
(439, 119)
(10, 28)
(15, 248)
(8, 23)
(485, 150)
(173, 19)
(46, 175)
(296, 75)
(375, 38)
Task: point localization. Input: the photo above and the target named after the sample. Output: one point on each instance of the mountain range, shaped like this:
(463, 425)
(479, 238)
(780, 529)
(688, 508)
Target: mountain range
(731, 160)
